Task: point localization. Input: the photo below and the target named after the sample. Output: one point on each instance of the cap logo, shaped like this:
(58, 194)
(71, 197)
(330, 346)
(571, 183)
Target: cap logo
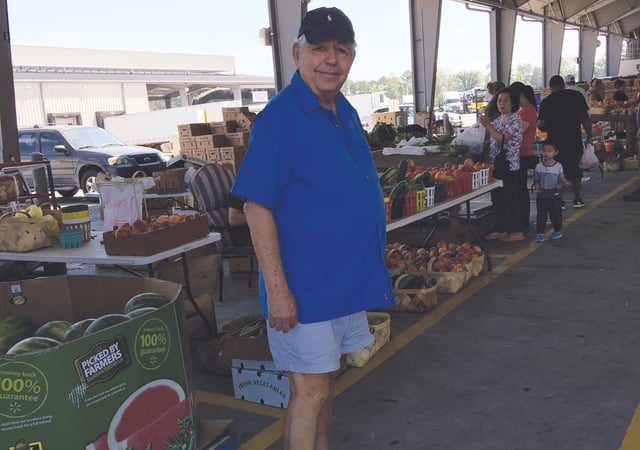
(329, 18)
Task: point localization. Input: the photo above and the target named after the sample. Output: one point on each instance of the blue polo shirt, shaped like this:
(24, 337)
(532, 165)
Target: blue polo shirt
(316, 174)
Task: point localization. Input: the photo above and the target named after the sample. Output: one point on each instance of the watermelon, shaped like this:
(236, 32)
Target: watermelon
(145, 299)
(141, 311)
(76, 330)
(106, 321)
(54, 329)
(32, 344)
(149, 416)
(14, 328)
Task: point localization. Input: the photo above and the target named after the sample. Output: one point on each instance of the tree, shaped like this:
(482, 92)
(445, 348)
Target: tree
(469, 79)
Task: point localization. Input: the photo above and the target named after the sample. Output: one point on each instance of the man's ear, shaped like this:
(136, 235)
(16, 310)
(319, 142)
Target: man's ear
(295, 52)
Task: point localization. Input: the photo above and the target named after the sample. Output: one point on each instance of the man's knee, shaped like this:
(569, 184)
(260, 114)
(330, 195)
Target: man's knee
(315, 387)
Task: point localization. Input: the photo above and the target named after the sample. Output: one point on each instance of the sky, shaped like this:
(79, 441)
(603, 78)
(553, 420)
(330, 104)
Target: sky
(220, 27)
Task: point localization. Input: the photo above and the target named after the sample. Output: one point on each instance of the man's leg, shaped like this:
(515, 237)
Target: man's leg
(308, 419)
(576, 188)
(323, 435)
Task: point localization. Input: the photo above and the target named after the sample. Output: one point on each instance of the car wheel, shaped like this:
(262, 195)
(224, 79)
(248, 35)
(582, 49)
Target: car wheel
(68, 192)
(88, 181)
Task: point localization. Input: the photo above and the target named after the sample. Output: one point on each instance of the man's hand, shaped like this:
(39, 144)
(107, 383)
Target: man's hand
(283, 312)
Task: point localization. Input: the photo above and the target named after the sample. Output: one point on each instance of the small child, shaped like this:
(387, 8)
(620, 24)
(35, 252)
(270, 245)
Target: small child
(548, 182)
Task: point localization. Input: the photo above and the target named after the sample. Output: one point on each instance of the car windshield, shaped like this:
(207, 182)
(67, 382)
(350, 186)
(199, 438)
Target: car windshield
(90, 137)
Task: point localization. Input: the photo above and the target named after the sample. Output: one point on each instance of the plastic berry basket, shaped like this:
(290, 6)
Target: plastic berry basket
(420, 202)
(429, 196)
(84, 225)
(70, 238)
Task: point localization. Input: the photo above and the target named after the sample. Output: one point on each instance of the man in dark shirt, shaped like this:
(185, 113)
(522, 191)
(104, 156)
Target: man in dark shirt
(561, 114)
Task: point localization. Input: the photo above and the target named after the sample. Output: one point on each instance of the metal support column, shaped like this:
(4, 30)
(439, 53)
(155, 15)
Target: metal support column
(502, 25)
(587, 52)
(425, 32)
(552, 39)
(614, 49)
(8, 122)
(285, 17)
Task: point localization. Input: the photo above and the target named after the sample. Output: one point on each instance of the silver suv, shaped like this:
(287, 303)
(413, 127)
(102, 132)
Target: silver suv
(78, 153)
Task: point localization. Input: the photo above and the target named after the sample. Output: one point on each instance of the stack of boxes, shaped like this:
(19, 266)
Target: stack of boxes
(222, 142)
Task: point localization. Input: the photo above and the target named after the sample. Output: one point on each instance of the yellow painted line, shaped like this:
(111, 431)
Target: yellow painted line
(631, 440)
(227, 401)
(273, 432)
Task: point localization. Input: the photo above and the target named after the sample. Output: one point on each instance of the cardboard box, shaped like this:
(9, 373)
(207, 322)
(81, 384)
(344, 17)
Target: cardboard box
(86, 386)
(242, 265)
(145, 244)
(394, 118)
(185, 154)
(209, 141)
(226, 154)
(260, 382)
(193, 129)
(188, 143)
(236, 109)
(237, 139)
(226, 126)
(170, 181)
(243, 121)
(252, 348)
(238, 156)
(199, 154)
(212, 155)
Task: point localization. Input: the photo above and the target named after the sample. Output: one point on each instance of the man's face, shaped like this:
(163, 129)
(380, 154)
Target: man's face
(324, 67)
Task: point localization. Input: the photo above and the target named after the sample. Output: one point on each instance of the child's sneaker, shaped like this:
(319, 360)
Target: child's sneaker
(578, 203)
(556, 235)
(539, 238)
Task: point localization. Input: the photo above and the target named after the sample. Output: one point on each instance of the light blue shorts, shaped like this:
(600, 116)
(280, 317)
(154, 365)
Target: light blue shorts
(317, 347)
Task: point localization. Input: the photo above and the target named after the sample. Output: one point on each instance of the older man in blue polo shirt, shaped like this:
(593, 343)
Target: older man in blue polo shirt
(316, 214)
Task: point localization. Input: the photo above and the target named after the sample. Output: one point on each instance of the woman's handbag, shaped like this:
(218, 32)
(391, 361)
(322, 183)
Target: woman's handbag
(500, 164)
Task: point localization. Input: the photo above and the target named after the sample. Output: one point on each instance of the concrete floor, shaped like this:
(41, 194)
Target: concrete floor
(542, 353)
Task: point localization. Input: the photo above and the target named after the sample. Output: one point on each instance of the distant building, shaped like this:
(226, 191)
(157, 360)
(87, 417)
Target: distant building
(83, 86)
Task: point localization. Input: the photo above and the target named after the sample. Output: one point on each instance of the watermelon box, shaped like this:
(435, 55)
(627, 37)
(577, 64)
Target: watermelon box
(126, 385)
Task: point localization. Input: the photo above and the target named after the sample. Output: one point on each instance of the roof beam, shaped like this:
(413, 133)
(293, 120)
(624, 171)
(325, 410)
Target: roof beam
(572, 8)
(607, 15)
(630, 22)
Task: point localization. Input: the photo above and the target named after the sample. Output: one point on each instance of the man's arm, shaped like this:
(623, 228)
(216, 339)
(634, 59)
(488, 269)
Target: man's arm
(541, 124)
(282, 309)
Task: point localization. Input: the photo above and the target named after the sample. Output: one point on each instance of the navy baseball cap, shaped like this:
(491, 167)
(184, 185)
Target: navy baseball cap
(322, 24)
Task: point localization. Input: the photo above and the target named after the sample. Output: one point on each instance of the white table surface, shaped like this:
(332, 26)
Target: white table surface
(93, 252)
(443, 206)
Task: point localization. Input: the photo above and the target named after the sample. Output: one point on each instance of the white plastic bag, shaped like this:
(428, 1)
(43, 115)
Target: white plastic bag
(472, 137)
(589, 159)
(122, 201)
